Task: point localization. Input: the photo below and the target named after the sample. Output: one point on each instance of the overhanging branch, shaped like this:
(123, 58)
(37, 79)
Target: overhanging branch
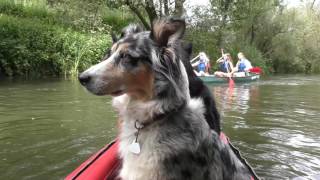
(136, 10)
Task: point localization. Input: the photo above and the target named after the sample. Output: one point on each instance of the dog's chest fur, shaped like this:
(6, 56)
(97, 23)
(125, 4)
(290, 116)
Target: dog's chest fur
(160, 141)
(145, 164)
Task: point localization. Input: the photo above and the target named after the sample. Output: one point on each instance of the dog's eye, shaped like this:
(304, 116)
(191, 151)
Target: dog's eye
(127, 56)
(122, 55)
(127, 59)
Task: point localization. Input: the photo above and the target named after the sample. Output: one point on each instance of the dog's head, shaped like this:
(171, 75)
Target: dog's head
(145, 65)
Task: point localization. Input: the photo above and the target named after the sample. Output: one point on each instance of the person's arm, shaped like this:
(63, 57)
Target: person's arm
(196, 72)
(235, 69)
(231, 67)
(220, 60)
(195, 64)
(248, 65)
(194, 58)
(222, 52)
(208, 66)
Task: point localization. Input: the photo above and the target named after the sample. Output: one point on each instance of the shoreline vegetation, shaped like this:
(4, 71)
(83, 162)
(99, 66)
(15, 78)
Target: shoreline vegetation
(61, 38)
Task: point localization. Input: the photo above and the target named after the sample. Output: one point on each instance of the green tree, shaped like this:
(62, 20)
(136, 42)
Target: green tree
(149, 10)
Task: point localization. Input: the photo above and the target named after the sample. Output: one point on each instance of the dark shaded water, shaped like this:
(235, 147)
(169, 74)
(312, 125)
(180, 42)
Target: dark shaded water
(48, 127)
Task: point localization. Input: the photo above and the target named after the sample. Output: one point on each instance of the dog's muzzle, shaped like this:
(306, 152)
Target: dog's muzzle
(84, 78)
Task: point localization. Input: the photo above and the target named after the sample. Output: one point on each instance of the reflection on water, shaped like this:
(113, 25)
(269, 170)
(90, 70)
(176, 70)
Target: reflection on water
(275, 124)
(48, 127)
(235, 98)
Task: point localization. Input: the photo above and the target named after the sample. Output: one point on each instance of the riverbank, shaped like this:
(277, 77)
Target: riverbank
(42, 40)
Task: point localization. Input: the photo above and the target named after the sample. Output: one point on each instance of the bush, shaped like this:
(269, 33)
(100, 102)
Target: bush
(39, 10)
(30, 47)
(78, 15)
(252, 54)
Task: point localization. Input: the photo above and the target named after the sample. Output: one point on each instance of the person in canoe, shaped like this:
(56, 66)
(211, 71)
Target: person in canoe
(226, 65)
(242, 67)
(202, 65)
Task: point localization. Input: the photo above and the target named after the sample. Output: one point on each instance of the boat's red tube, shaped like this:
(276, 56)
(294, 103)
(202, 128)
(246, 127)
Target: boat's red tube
(105, 164)
(102, 165)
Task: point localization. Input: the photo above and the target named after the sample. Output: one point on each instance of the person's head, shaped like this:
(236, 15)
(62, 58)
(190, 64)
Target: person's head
(227, 56)
(241, 55)
(203, 56)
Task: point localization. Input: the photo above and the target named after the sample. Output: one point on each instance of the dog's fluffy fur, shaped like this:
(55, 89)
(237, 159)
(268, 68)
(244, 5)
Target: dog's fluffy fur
(199, 90)
(149, 81)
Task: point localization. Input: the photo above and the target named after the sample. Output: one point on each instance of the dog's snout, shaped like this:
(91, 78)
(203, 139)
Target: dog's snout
(84, 78)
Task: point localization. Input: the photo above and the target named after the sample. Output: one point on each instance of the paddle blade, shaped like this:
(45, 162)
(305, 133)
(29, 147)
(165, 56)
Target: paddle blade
(231, 82)
(256, 70)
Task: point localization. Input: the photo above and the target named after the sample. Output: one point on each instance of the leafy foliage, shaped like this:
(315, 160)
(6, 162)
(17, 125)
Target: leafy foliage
(38, 38)
(29, 47)
(273, 36)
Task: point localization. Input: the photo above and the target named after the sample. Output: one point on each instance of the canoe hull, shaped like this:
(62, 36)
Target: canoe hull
(106, 164)
(213, 79)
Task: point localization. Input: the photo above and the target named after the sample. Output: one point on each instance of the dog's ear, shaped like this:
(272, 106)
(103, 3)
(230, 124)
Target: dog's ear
(114, 37)
(131, 29)
(165, 32)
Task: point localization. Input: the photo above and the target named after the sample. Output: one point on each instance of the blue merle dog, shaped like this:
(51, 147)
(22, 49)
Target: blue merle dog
(164, 134)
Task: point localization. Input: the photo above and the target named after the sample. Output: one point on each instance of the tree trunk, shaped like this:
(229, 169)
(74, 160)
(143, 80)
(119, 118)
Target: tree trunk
(252, 34)
(135, 10)
(312, 4)
(151, 10)
(224, 8)
(219, 39)
(178, 7)
(160, 9)
(166, 7)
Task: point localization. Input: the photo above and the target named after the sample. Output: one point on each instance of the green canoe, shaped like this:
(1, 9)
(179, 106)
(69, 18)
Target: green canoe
(214, 79)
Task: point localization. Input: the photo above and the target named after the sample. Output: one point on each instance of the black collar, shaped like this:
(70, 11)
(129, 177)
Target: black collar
(138, 125)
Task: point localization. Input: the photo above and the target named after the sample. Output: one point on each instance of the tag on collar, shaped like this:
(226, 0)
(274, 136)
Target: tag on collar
(134, 147)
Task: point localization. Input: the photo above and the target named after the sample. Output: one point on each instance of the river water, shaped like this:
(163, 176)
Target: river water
(48, 127)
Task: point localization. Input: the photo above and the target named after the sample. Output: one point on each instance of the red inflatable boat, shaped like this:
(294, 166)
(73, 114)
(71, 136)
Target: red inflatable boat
(105, 164)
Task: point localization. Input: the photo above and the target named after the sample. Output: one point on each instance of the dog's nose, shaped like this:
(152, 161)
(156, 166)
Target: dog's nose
(84, 78)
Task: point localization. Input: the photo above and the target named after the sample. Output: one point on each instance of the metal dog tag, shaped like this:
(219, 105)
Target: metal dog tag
(134, 147)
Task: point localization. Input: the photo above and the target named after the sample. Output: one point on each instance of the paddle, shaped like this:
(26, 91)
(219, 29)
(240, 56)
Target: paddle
(231, 82)
(194, 58)
(256, 70)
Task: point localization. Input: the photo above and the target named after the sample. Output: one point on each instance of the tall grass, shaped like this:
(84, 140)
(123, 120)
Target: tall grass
(23, 8)
(30, 47)
(117, 18)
